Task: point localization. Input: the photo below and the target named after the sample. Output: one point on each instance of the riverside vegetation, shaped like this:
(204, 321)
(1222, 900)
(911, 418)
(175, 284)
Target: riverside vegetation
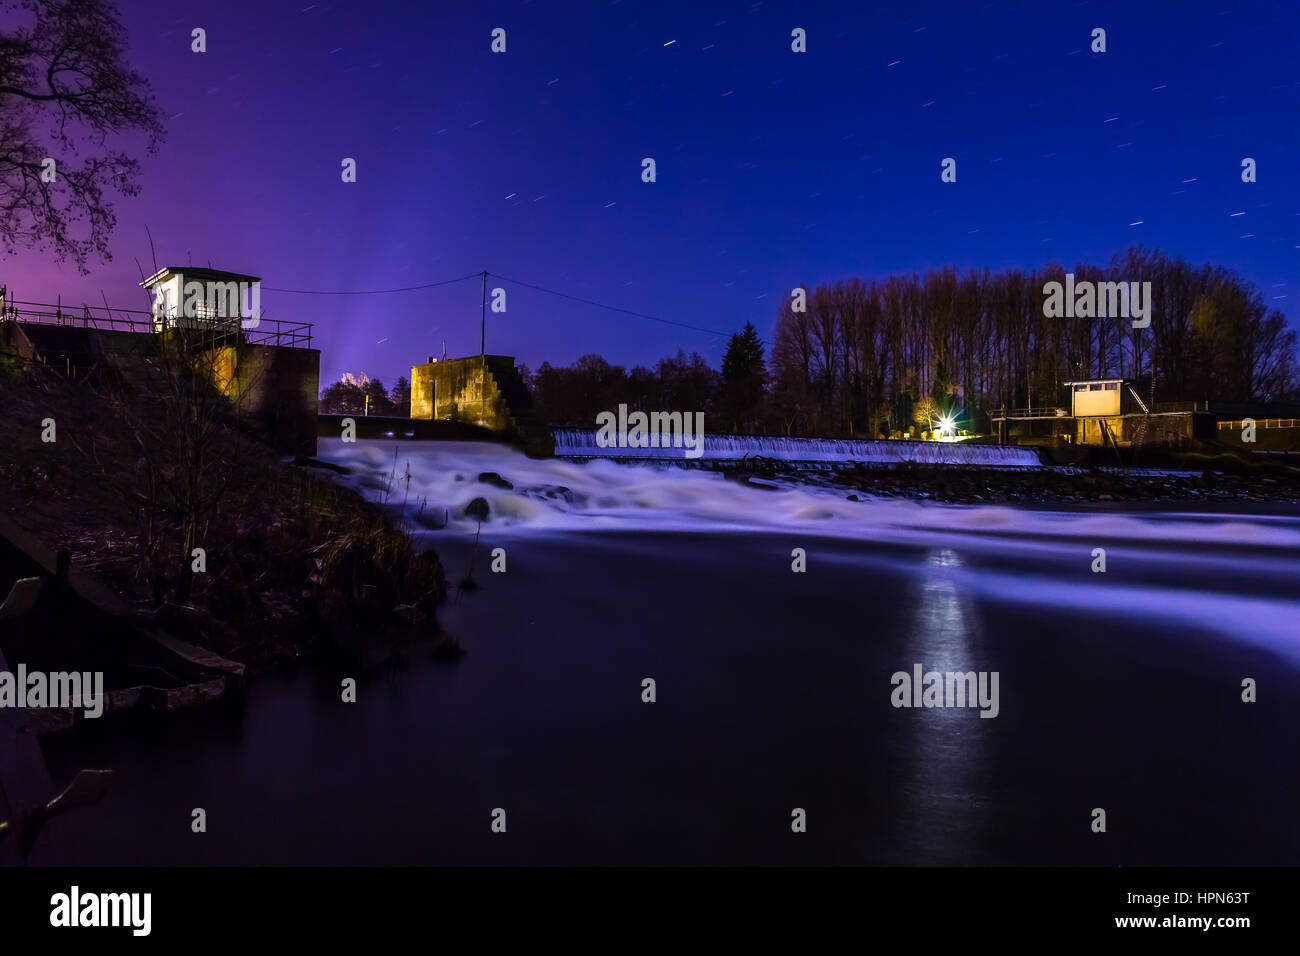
(293, 565)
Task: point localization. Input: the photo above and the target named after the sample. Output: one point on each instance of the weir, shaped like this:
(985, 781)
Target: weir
(581, 443)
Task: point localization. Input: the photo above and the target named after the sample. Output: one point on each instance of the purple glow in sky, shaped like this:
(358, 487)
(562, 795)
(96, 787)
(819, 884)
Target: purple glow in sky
(775, 169)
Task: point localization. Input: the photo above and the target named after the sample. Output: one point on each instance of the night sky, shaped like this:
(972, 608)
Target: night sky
(775, 169)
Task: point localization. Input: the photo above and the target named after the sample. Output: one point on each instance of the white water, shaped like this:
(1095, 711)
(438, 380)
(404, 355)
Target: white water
(1237, 575)
(556, 494)
(581, 443)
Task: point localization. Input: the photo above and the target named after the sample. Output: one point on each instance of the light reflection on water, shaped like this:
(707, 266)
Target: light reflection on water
(946, 746)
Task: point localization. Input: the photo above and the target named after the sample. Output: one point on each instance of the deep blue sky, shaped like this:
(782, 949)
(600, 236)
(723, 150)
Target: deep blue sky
(775, 169)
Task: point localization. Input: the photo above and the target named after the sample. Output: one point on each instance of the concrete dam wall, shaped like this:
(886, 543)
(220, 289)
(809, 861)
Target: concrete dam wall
(581, 443)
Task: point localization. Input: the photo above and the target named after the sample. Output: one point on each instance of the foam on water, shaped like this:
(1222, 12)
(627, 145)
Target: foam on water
(1234, 575)
(556, 494)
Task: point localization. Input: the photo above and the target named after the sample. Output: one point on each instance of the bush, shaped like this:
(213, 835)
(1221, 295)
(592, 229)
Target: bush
(373, 567)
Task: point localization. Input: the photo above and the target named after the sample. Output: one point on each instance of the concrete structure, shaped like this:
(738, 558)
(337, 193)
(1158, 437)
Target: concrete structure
(483, 390)
(1106, 411)
(330, 425)
(1101, 397)
(193, 297)
(1102, 408)
(267, 367)
(1276, 425)
(279, 387)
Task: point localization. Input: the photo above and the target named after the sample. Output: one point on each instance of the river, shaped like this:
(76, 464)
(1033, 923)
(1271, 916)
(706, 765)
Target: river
(1119, 690)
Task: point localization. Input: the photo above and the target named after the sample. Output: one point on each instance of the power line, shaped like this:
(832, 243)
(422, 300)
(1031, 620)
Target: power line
(409, 288)
(601, 305)
(527, 285)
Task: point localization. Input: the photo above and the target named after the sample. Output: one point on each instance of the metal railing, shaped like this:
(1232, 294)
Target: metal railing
(1262, 423)
(276, 332)
(1042, 411)
(1160, 408)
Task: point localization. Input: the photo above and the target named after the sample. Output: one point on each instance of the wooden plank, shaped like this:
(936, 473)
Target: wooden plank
(23, 598)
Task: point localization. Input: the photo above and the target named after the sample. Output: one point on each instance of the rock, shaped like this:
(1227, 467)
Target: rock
(852, 498)
(478, 508)
(492, 478)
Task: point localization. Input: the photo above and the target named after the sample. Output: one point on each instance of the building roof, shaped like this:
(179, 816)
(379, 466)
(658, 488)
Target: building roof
(198, 272)
(1097, 381)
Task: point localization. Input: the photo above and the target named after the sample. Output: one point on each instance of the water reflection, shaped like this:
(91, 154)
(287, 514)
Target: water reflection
(946, 745)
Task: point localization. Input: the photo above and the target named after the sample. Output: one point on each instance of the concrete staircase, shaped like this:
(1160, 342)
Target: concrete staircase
(511, 387)
(524, 423)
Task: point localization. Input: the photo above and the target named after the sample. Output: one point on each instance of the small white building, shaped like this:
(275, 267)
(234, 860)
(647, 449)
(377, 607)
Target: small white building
(1100, 397)
(194, 297)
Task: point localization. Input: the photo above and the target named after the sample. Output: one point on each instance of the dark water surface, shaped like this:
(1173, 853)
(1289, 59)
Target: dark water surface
(773, 693)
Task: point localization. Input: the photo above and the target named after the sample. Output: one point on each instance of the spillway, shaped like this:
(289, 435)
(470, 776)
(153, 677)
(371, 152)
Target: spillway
(581, 443)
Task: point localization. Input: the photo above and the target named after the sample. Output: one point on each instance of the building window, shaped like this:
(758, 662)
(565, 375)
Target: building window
(1112, 386)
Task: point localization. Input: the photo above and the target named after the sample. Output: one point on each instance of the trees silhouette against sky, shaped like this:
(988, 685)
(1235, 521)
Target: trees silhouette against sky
(865, 354)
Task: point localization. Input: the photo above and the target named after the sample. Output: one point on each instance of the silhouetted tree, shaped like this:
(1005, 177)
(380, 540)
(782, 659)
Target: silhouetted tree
(343, 398)
(64, 89)
(378, 395)
(685, 384)
(744, 374)
(399, 397)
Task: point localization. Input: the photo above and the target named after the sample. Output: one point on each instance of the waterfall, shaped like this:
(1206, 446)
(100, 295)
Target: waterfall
(581, 443)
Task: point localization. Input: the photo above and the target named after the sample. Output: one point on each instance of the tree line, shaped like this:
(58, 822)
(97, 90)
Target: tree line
(736, 394)
(349, 397)
(862, 354)
(877, 357)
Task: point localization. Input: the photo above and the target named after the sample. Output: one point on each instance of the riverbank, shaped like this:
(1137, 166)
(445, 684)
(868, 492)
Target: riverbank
(289, 565)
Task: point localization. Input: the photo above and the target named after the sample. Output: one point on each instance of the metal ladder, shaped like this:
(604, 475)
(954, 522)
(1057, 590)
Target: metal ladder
(1140, 434)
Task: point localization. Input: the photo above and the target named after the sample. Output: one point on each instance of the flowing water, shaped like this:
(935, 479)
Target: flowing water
(582, 443)
(1119, 689)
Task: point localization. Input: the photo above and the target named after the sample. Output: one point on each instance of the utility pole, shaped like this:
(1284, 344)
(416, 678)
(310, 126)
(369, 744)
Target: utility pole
(482, 340)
